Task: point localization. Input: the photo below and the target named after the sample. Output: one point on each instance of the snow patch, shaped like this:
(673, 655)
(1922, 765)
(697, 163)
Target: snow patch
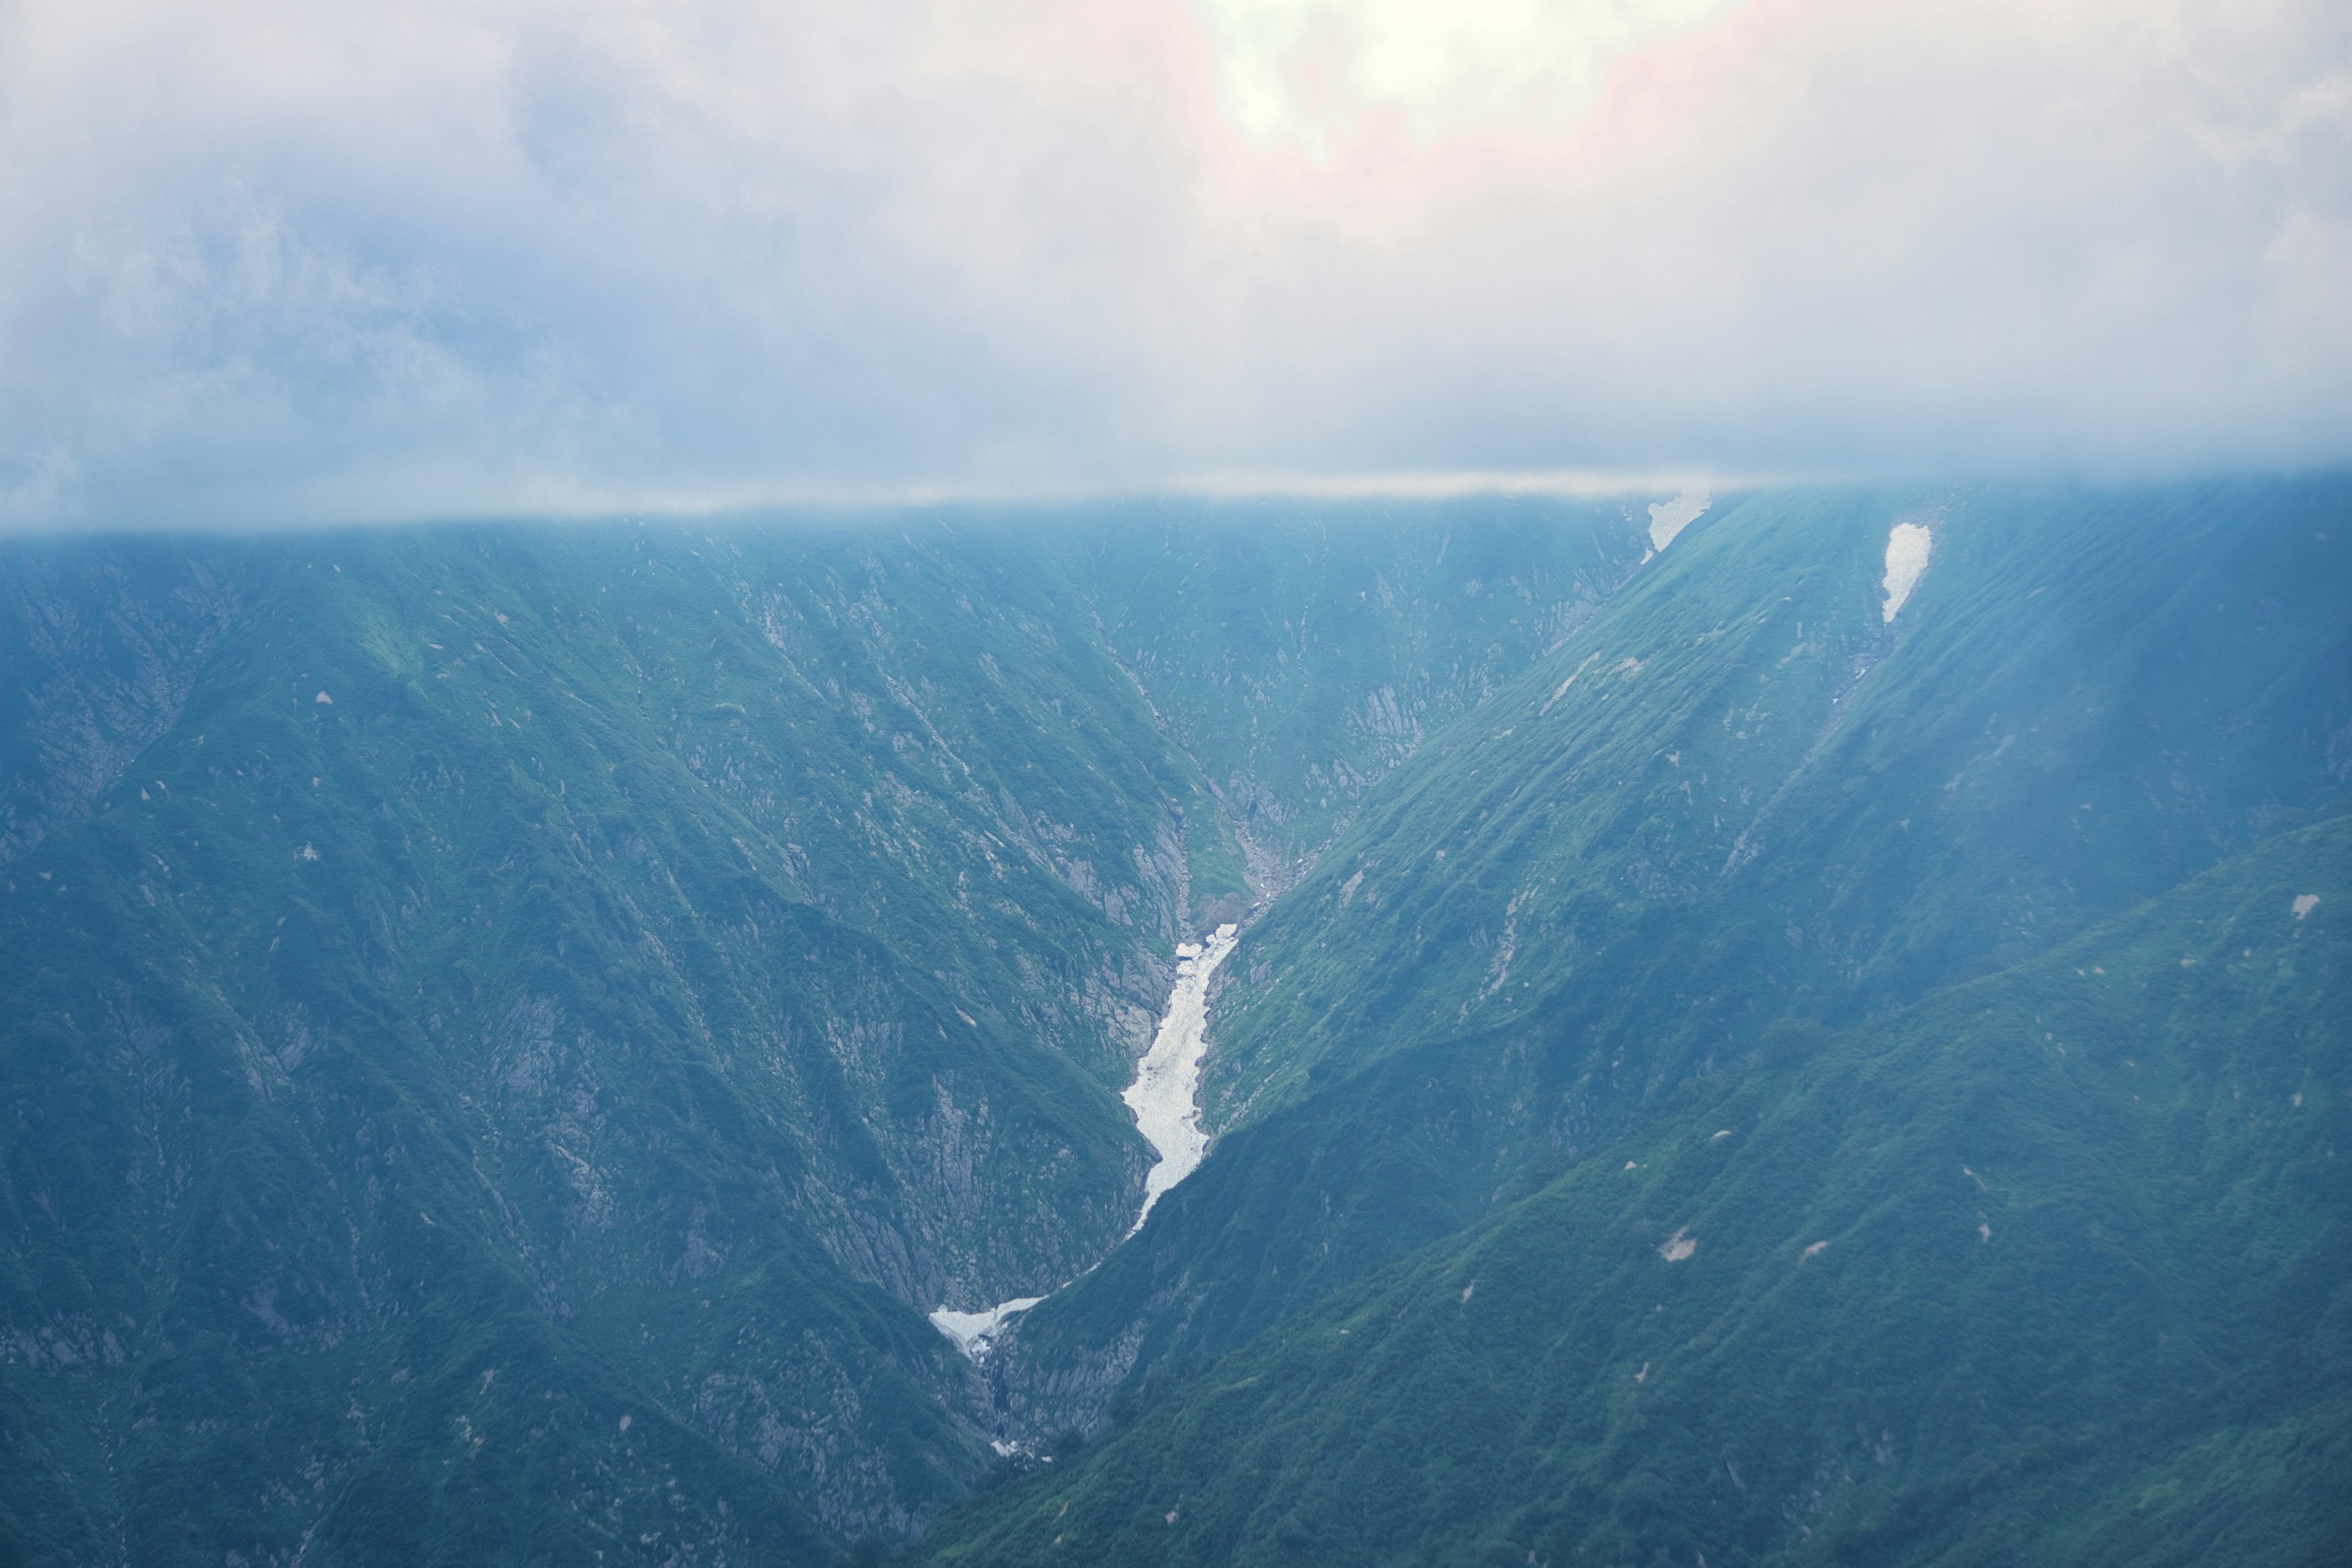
(1907, 544)
(974, 1332)
(1671, 517)
(1168, 1078)
(1161, 1097)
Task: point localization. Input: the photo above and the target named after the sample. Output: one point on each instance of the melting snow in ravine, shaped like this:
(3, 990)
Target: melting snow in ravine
(1907, 544)
(974, 1332)
(1169, 1075)
(1167, 1081)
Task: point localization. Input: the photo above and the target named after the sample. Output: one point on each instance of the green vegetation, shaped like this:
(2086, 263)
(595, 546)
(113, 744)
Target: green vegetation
(2050, 1267)
(1736, 797)
(470, 988)
(505, 1033)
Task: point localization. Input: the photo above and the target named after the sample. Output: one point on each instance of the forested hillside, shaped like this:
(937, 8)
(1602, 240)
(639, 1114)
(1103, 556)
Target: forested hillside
(1811, 1025)
(506, 1032)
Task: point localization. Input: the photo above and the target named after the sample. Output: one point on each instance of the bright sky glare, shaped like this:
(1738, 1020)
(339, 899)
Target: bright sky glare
(264, 261)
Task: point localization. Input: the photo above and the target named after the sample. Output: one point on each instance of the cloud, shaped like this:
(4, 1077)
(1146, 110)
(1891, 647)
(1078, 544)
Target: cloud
(1306, 69)
(268, 262)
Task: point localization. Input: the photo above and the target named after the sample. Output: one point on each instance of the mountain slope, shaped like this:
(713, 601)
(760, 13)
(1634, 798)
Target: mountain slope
(1298, 653)
(456, 959)
(508, 1031)
(1739, 795)
(2050, 1267)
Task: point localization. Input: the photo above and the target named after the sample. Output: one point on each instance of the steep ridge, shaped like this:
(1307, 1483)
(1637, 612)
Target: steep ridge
(485, 1005)
(2053, 1265)
(507, 1031)
(1300, 652)
(1739, 799)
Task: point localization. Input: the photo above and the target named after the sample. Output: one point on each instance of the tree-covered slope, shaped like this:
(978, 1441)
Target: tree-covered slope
(2087, 697)
(505, 1032)
(2052, 1266)
(1738, 793)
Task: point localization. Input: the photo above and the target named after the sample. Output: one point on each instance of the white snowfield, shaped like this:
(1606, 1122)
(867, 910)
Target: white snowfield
(1167, 1081)
(974, 1332)
(1169, 1077)
(1669, 517)
(1907, 544)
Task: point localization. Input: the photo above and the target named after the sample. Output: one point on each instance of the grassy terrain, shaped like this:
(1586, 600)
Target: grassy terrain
(1736, 797)
(2051, 1267)
(506, 1032)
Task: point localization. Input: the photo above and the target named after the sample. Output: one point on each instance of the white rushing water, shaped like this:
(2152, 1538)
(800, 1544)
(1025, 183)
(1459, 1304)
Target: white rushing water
(1163, 1097)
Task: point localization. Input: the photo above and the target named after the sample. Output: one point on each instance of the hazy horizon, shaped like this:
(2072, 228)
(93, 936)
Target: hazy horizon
(265, 265)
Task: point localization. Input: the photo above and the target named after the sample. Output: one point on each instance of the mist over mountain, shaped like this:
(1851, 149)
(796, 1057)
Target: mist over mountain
(1188, 783)
(269, 265)
(1775, 1025)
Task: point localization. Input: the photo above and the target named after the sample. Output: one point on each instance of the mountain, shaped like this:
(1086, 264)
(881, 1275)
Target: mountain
(507, 1032)
(1739, 799)
(2050, 1266)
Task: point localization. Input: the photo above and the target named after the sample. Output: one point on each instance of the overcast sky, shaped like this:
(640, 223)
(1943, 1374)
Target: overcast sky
(280, 261)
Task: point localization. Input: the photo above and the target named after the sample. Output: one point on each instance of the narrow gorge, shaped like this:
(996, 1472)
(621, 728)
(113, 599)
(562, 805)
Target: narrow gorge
(1165, 1099)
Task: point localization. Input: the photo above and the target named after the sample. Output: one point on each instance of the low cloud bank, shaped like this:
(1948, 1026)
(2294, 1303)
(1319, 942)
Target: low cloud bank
(262, 262)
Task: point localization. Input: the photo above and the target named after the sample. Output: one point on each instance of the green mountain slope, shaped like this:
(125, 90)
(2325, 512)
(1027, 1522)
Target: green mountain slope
(1298, 653)
(1738, 794)
(506, 1032)
(458, 970)
(2053, 1265)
